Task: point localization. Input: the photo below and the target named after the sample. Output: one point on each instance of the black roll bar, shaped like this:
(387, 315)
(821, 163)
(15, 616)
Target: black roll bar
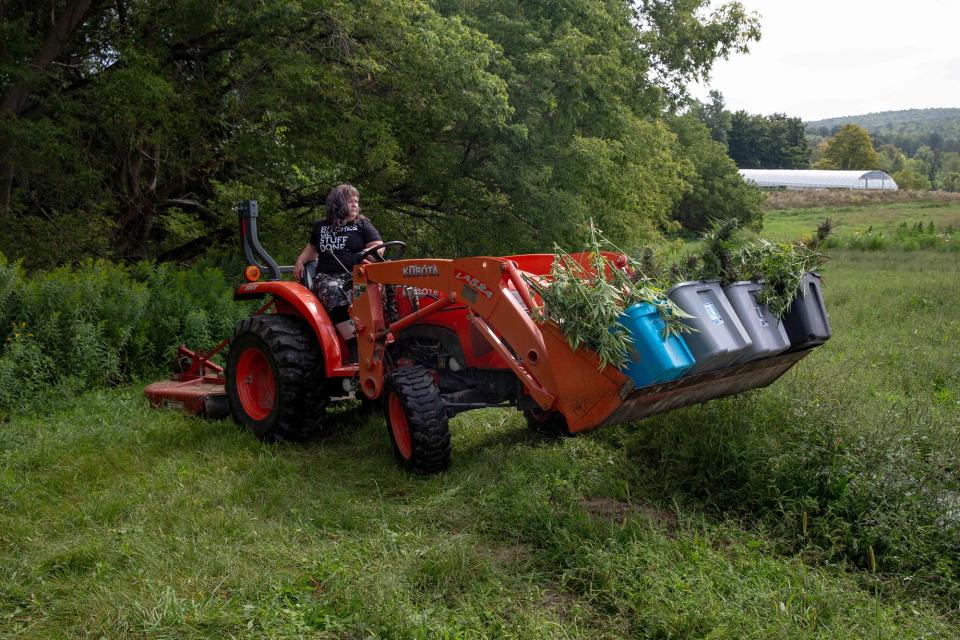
(252, 249)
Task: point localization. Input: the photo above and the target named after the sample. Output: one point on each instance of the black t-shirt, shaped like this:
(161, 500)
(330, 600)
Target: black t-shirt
(344, 241)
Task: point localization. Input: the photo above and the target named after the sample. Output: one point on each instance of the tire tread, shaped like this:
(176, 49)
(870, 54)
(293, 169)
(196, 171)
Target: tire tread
(426, 417)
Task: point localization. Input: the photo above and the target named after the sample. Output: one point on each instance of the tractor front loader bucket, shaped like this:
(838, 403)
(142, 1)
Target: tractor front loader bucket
(683, 392)
(555, 376)
(589, 398)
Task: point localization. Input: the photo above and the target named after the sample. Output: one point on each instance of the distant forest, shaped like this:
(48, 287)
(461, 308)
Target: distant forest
(920, 148)
(908, 130)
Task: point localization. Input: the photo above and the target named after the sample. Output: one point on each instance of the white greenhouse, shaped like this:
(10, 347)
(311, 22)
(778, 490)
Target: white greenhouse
(813, 179)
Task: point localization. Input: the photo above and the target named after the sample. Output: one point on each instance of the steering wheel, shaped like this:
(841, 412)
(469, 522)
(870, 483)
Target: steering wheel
(401, 248)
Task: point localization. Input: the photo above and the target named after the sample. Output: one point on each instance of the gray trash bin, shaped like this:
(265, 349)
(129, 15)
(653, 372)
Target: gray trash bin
(766, 331)
(806, 320)
(719, 337)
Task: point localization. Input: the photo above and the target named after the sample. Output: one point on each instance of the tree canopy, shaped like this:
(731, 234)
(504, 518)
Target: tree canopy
(775, 141)
(129, 128)
(755, 141)
(717, 192)
(850, 149)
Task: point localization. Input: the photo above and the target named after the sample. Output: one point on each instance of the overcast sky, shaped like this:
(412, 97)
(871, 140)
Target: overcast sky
(820, 59)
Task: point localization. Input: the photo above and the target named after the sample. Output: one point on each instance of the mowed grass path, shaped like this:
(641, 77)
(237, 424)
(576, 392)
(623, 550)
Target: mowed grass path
(119, 521)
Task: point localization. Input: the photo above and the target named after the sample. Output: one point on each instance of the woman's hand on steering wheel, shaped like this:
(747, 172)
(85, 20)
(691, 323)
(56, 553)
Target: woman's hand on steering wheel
(375, 252)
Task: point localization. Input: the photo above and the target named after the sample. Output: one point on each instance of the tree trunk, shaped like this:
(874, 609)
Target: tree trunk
(6, 181)
(15, 98)
(71, 18)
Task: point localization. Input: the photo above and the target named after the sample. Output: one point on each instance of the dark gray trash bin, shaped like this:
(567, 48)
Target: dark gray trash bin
(806, 320)
(766, 331)
(719, 337)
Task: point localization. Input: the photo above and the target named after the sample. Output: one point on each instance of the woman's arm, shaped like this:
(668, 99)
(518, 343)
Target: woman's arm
(309, 254)
(372, 237)
(373, 243)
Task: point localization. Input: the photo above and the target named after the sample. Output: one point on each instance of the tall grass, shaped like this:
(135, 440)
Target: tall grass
(905, 237)
(833, 198)
(746, 517)
(857, 448)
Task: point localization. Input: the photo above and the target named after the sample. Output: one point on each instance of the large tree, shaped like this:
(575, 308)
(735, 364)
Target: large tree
(717, 191)
(128, 127)
(851, 148)
(776, 141)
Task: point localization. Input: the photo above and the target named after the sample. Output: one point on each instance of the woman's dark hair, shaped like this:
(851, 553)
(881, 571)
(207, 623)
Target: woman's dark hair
(338, 207)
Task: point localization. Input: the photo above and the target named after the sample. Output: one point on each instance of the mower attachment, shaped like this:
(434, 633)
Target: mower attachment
(193, 390)
(196, 397)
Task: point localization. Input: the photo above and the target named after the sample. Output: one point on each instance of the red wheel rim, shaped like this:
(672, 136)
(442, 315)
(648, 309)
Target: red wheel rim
(255, 384)
(399, 426)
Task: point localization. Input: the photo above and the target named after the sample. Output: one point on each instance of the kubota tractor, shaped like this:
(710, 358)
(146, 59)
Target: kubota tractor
(434, 338)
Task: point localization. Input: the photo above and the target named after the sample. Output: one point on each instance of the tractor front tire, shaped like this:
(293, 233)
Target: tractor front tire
(547, 423)
(417, 420)
(272, 366)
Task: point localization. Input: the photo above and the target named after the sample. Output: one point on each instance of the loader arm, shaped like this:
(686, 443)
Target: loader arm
(554, 375)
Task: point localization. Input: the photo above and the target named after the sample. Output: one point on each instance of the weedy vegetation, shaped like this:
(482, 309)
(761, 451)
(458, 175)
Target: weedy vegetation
(907, 225)
(98, 324)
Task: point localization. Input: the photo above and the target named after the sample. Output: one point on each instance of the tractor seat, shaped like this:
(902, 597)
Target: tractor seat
(309, 274)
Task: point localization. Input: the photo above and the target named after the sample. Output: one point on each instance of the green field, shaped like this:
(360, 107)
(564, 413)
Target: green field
(826, 506)
(850, 220)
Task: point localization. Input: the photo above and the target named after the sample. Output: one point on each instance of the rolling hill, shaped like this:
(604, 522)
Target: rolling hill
(908, 129)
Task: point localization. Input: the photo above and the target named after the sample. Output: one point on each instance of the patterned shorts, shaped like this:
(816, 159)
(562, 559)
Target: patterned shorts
(334, 290)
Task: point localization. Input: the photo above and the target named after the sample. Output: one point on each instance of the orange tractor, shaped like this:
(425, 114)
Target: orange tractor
(433, 338)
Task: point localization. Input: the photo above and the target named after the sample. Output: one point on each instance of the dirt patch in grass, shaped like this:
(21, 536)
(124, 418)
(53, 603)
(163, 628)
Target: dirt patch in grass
(619, 510)
(559, 601)
(506, 556)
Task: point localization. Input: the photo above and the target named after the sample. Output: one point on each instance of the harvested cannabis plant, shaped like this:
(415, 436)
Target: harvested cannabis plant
(780, 266)
(720, 243)
(586, 303)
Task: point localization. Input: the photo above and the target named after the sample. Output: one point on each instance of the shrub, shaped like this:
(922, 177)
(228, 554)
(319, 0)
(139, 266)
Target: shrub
(910, 180)
(101, 323)
(24, 370)
(716, 189)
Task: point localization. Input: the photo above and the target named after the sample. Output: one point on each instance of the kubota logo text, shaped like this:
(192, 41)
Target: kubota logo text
(420, 270)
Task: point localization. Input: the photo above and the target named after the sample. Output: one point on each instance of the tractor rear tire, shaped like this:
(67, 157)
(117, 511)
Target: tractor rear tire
(417, 420)
(273, 370)
(547, 423)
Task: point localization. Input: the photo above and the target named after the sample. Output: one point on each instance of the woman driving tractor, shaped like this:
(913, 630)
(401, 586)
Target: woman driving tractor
(335, 244)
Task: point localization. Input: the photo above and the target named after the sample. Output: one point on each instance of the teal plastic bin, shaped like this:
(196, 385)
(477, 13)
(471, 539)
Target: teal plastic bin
(653, 359)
